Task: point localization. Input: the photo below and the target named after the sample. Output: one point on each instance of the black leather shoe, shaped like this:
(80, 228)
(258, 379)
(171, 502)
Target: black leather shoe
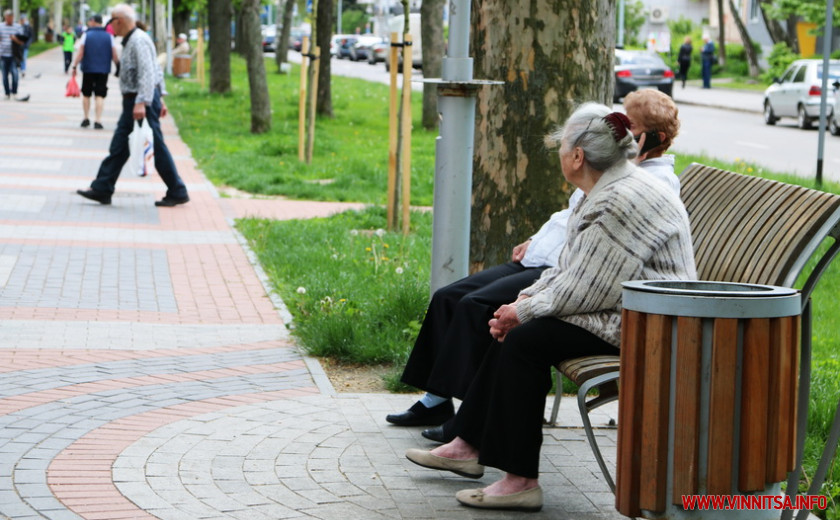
(102, 198)
(168, 202)
(442, 434)
(419, 415)
(85, 123)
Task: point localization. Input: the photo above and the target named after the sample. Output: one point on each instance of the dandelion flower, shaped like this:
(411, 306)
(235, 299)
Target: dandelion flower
(399, 270)
(367, 249)
(301, 290)
(354, 232)
(379, 232)
(335, 256)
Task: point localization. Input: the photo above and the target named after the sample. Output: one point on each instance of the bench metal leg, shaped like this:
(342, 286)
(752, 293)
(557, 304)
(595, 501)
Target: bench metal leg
(558, 394)
(585, 408)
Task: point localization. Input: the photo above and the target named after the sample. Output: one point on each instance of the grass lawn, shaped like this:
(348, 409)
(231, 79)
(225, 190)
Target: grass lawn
(358, 293)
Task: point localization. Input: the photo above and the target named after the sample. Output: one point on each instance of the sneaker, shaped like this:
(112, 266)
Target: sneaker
(168, 202)
(98, 126)
(22, 99)
(85, 123)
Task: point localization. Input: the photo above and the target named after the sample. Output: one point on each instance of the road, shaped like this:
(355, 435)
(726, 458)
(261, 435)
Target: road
(730, 135)
(727, 135)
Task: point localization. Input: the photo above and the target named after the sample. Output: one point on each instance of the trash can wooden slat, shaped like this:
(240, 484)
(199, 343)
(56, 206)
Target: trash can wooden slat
(708, 394)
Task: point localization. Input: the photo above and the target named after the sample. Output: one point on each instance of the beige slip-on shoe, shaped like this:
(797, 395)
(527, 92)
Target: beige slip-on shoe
(529, 501)
(469, 468)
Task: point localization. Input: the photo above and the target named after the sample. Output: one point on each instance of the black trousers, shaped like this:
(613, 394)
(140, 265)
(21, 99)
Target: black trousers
(502, 412)
(455, 335)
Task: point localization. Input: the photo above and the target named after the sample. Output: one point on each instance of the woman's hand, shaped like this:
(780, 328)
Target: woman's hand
(504, 319)
(519, 251)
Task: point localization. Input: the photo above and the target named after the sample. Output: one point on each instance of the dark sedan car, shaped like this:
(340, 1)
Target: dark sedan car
(640, 69)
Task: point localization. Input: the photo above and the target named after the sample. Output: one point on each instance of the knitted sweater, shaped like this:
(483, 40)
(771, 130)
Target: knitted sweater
(629, 227)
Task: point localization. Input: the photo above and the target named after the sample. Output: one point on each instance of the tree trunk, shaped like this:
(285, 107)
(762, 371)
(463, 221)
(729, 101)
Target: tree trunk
(535, 47)
(325, 20)
(257, 82)
(281, 46)
(793, 37)
(749, 49)
(239, 45)
(774, 28)
(721, 34)
(219, 45)
(180, 19)
(431, 32)
(35, 22)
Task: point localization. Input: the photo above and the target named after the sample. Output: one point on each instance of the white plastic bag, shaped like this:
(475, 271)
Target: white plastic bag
(142, 148)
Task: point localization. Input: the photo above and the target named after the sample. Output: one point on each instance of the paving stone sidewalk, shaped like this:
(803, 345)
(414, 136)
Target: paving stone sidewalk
(146, 372)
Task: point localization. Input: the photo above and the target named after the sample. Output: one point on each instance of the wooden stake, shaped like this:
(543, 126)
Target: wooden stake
(406, 134)
(199, 57)
(304, 50)
(313, 100)
(392, 138)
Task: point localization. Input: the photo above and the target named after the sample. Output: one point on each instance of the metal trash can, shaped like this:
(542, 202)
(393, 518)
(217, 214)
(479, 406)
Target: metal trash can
(707, 401)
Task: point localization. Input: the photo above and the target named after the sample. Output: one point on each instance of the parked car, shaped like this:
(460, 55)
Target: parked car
(296, 39)
(640, 69)
(344, 44)
(379, 52)
(362, 48)
(797, 92)
(269, 34)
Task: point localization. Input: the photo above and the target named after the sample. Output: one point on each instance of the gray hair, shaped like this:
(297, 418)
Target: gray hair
(8, 12)
(125, 10)
(587, 129)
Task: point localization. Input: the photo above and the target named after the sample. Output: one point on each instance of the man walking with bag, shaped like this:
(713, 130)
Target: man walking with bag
(96, 51)
(141, 84)
(9, 31)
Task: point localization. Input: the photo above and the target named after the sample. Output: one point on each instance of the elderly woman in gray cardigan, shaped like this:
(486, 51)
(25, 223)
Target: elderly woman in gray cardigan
(626, 227)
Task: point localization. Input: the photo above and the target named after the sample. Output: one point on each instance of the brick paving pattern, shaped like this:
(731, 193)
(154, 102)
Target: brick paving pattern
(147, 373)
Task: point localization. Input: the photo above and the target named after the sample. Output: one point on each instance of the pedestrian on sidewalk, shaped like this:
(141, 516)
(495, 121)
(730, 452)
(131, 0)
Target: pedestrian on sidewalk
(707, 57)
(142, 87)
(9, 31)
(96, 52)
(684, 59)
(26, 37)
(68, 40)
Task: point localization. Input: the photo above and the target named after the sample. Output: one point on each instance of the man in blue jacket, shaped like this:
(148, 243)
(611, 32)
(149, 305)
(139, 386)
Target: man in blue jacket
(96, 52)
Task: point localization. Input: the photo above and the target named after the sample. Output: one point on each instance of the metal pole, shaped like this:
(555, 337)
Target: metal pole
(16, 10)
(829, 21)
(620, 38)
(338, 20)
(453, 156)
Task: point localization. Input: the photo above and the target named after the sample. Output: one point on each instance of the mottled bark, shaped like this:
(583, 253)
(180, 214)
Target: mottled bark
(325, 20)
(431, 31)
(219, 45)
(257, 81)
(239, 45)
(281, 45)
(552, 55)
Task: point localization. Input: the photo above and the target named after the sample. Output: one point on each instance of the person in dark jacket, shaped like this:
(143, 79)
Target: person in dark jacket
(684, 59)
(707, 56)
(96, 52)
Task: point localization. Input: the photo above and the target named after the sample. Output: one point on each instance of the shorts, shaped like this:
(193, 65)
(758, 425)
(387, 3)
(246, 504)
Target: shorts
(96, 84)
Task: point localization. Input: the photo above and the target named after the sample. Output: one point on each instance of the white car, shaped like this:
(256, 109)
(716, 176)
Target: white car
(797, 93)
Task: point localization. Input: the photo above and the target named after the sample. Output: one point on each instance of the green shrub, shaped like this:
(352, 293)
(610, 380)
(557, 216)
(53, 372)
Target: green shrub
(778, 61)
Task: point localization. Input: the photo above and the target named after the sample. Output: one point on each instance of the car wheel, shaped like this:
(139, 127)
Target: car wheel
(769, 117)
(832, 125)
(802, 118)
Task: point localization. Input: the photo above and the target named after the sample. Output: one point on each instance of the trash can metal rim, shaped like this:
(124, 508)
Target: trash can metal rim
(710, 299)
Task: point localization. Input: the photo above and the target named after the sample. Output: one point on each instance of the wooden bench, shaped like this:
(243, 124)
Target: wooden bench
(745, 229)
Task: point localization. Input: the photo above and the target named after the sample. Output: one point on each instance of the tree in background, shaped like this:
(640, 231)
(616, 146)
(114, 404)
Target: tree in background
(281, 40)
(219, 16)
(431, 36)
(257, 82)
(721, 45)
(749, 47)
(535, 47)
(325, 21)
(634, 19)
